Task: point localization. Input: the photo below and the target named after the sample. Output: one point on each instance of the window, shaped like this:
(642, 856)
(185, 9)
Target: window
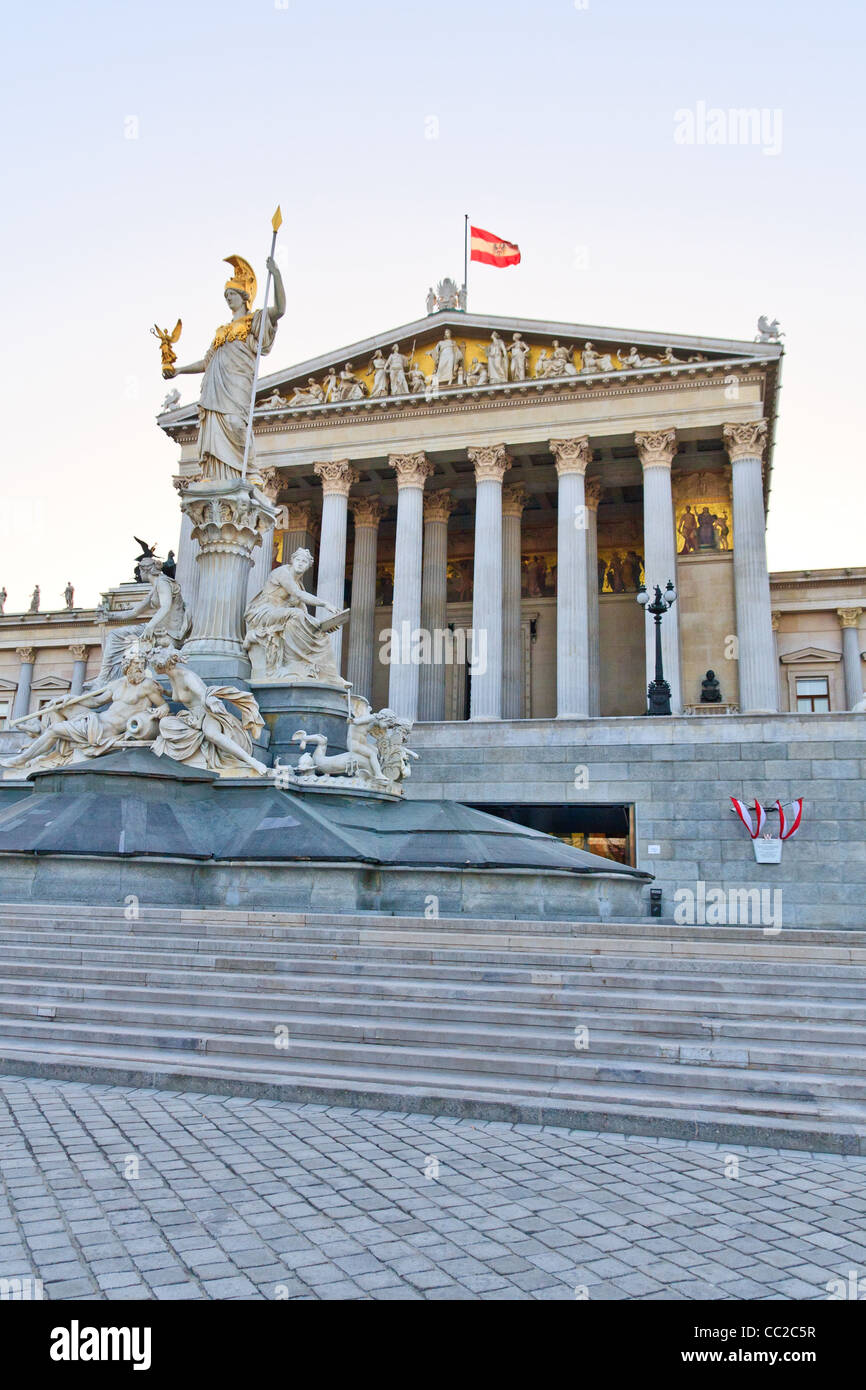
(5, 711)
(813, 694)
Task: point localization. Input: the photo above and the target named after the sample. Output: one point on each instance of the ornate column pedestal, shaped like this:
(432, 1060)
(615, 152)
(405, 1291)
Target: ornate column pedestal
(367, 513)
(572, 610)
(657, 450)
(412, 471)
(337, 478)
(227, 520)
(849, 619)
(26, 656)
(78, 652)
(593, 493)
(513, 502)
(434, 602)
(491, 465)
(758, 675)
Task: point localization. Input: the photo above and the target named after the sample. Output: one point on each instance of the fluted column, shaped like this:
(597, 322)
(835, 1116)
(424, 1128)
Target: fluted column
(186, 571)
(78, 652)
(367, 512)
(412, 471)
(26, 657)
(299, 528)
(491, 464)
(263, 560)
(593, 493)
(434, 603)
(513, 501)
(572, 611)
(337, 478)
(758, 677)
(657, 451)
(228, 527)
(849, 619)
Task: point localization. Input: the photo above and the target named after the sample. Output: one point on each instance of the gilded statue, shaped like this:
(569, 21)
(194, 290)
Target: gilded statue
(228, 367)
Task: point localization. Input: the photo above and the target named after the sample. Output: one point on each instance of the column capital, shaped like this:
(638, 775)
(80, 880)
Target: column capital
(747, 441)
(492, 462)
(593, 494)
(514, 499)
(656, 448)
(367, 511)
(412, 470)
(571, 455)
(438, 506)
(848, 617)
(78, 651)
(337, 477)
(296, 516)
(270, 483)
(25, 655)
(776, 619)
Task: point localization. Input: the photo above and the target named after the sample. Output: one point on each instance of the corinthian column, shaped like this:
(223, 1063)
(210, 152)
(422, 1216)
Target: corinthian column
(21, 704)
(227, 524)
(187, 571)
(412, 471)
(513, 501)
(657, 451)
(78, 652)
(367, 512)
(572, 613)
(849, 620)
(337, 478)
(758, 677)
(593, 493)
(491, 464)
(434, 603)
(299, 526)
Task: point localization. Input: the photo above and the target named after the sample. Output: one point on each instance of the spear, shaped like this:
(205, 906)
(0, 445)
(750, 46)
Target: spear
(276, 223)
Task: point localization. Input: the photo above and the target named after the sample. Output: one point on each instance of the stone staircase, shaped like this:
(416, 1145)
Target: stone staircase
(715, 1033)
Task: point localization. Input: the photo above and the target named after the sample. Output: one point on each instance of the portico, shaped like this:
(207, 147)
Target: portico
(497, 533)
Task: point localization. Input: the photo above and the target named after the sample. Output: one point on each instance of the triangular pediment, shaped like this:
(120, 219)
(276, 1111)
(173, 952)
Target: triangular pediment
(549, 354)
(809, 654)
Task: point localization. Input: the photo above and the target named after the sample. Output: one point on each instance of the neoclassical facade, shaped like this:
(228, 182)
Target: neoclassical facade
(487, 495)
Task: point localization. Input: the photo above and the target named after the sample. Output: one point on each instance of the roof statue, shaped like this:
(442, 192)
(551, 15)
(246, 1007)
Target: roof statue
(768, 332)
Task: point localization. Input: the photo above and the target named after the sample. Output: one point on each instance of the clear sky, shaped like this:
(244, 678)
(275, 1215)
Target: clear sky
(376, 125)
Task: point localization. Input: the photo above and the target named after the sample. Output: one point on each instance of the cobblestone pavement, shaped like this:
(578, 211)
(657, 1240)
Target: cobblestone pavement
(116, 1193)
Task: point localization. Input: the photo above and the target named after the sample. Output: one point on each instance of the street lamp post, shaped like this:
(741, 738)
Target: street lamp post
(658, 691)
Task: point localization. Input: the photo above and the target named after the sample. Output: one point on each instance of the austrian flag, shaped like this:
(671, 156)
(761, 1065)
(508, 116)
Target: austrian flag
(492, 250)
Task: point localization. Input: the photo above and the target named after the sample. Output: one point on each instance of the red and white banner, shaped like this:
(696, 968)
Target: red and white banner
(754, 827)
(788, 829)
(492, 250)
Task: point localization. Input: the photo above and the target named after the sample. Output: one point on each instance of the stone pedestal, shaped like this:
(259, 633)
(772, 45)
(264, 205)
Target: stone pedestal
(317, 709)
(227, 520)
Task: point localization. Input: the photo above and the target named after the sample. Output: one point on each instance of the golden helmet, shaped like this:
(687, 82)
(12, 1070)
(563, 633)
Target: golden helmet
(244, 278)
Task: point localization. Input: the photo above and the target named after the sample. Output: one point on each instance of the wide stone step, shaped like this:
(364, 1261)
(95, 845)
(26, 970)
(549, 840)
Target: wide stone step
(831, 1050)
(237, 957)
(811, 1125)
(836, 1027)
(697, 1072)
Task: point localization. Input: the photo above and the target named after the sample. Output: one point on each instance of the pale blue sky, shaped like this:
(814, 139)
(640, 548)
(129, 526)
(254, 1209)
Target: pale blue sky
(555, 128)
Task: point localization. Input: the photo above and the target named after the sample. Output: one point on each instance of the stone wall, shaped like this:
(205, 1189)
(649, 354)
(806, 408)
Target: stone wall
(679, 774)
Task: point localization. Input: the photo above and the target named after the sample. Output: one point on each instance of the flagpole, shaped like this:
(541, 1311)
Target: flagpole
(466, 260)
(276, 223)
